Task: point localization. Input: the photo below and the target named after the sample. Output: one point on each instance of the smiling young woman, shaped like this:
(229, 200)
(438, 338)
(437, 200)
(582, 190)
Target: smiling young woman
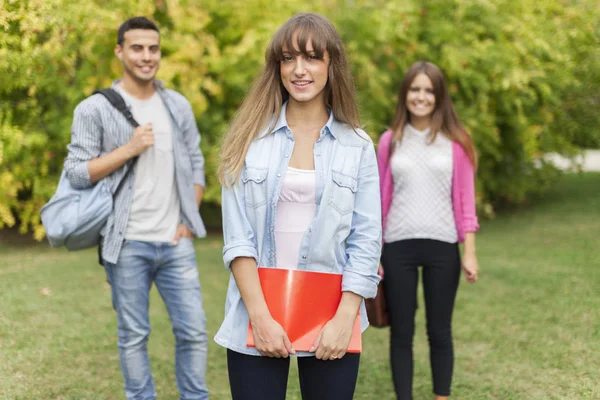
(426, 167)
(300, 191)
(304, 76)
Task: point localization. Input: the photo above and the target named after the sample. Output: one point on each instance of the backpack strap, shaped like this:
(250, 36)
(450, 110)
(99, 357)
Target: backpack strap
(117, 102)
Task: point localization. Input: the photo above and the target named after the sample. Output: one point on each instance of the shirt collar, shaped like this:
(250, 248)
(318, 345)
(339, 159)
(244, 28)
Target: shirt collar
(281, 120)
(330, 125)
(282, 123)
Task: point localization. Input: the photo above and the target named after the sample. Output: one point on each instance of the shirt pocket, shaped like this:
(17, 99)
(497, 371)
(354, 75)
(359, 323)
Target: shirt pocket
(342, 192)
(255, 186)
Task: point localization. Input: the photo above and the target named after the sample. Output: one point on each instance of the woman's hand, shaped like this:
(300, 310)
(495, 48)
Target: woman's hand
(380, 271)
(470, 267)
(334, 339)
(270, 338)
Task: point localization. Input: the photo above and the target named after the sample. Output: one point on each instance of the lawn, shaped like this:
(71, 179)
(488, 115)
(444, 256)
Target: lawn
(529, 329)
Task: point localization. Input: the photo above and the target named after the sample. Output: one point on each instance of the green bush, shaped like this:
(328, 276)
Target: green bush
(524, 76)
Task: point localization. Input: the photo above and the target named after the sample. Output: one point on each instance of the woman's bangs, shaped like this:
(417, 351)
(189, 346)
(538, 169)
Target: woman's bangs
(294, 40)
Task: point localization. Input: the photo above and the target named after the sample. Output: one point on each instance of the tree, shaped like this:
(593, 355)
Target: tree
(524, 77)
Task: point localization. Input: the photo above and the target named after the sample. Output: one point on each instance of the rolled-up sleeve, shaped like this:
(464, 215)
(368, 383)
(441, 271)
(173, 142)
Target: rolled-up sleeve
(192, 142)
(86, 144)
(363, 245)
(238, 235)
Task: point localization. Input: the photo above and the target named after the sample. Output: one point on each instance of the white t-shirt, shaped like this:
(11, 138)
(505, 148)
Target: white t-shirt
(154, 213)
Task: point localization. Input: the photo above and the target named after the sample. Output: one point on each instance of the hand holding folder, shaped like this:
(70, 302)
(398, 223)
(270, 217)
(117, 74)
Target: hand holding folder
(302, 302)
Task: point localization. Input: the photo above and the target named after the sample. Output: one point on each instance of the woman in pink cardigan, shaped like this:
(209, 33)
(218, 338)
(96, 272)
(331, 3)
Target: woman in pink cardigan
(426, 169)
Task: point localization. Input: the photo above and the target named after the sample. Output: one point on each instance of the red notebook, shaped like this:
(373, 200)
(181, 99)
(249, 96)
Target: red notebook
(302, 302)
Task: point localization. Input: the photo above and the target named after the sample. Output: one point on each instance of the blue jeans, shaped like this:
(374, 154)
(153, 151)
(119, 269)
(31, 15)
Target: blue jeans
(173, 269)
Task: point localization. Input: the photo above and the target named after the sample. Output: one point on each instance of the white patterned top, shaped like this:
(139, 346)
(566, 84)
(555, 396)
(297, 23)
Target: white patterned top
(422, 199)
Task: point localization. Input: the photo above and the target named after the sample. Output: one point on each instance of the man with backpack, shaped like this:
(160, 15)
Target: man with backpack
(156, 174)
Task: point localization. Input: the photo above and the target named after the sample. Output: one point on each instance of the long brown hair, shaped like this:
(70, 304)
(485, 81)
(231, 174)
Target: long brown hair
(267, 95)
(444, 118)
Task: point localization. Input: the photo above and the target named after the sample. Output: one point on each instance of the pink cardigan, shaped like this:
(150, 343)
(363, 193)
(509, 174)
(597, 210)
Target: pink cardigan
(463, 186)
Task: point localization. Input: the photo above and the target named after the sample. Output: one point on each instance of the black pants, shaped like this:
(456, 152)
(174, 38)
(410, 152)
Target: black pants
(441, 273)
(264, 378)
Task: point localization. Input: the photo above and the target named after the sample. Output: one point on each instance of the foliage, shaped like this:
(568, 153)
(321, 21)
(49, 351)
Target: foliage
(524, 76)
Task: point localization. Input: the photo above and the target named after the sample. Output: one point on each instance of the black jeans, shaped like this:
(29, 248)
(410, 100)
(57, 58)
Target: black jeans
(441, 273)
(264, 378)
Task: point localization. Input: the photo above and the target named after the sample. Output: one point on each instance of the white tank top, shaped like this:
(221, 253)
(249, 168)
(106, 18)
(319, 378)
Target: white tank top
(296, 208)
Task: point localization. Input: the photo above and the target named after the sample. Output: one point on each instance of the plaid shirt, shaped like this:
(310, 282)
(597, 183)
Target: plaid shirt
(99, 128)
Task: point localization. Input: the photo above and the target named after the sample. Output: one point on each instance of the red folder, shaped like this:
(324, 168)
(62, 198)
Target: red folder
(302, 302)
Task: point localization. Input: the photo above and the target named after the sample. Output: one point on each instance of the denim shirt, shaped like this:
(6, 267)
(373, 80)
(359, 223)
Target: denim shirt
(345, 235)
(99, 128)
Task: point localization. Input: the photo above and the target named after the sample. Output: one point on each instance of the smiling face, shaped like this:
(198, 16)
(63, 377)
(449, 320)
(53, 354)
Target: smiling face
(420, 99)
(304, 76)
(140, 54)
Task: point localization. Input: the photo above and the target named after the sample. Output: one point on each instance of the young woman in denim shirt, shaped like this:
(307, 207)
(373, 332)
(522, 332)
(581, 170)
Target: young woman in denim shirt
(426, 165)
(300, 191)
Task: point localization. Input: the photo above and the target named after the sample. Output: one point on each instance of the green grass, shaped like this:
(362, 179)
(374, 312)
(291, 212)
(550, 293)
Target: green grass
(530, 329)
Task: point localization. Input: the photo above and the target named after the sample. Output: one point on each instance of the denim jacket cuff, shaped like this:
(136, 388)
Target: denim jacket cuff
(238, 249)
(364, 286)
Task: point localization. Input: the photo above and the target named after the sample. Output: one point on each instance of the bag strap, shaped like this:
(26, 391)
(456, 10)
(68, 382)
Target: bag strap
(117, 102)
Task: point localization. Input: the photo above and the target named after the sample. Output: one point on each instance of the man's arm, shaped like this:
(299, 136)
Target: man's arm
(84, 166)
(199, 194)
(100, 167)
(86, 144)
(191, 138)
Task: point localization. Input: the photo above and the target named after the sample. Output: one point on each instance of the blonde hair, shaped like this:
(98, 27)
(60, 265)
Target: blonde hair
(267, 94)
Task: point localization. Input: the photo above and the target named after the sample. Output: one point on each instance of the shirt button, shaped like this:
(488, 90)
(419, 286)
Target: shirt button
(304, 257)
(287, 155)
(279, 175)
